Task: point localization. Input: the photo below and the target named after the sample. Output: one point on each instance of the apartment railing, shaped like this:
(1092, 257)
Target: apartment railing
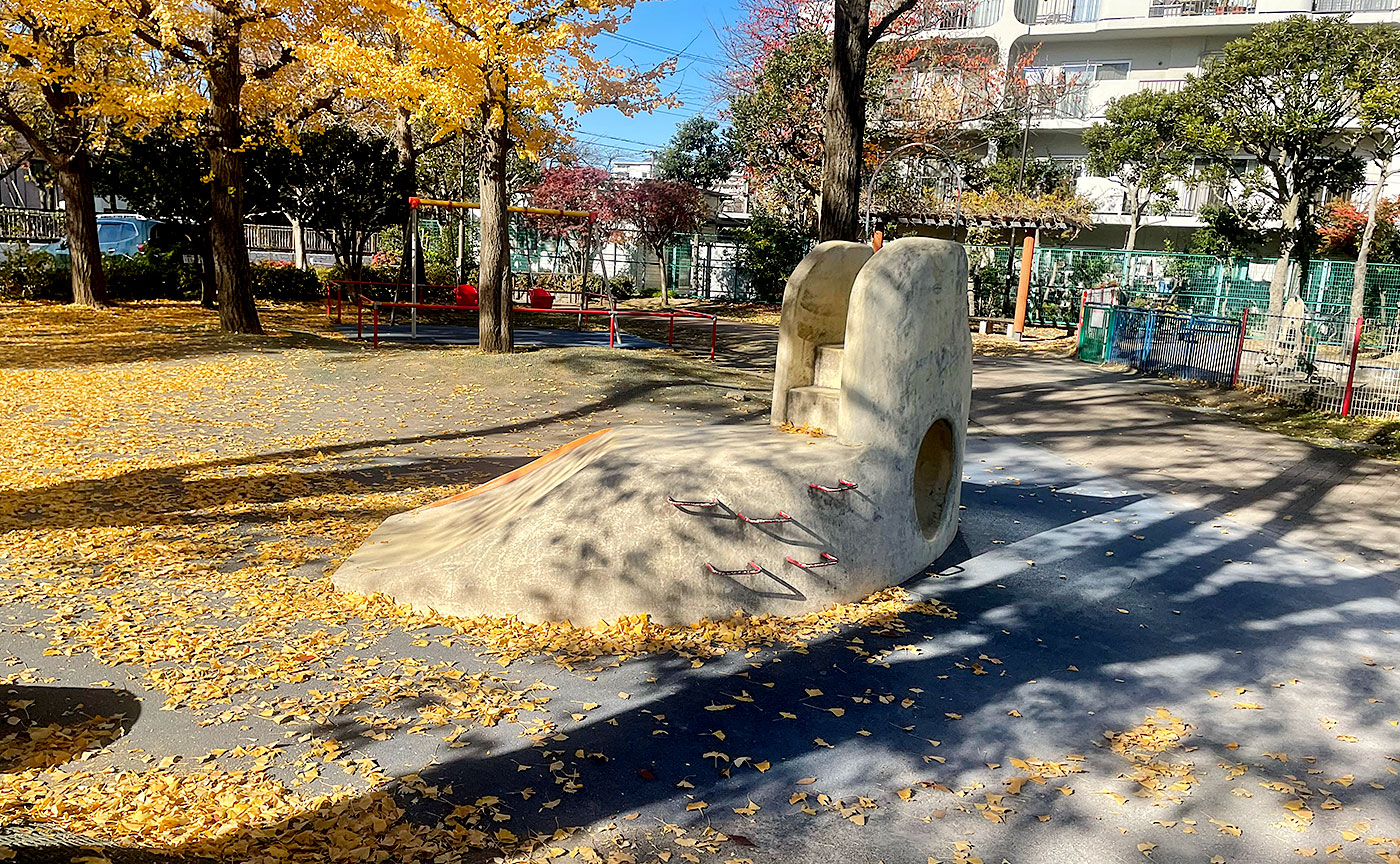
(1163, 86)
(1049, 104)
(1057, 11)
(1341, 6)
(1188, 201)
(968, 15)
(1179, 8)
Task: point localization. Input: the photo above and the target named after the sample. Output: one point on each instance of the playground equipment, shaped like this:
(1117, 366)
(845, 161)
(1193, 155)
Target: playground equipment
(681, 524)
(534, 298)
(466, 299)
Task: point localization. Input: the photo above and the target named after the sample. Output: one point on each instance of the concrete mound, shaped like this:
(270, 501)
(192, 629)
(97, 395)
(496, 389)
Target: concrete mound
(874, 350)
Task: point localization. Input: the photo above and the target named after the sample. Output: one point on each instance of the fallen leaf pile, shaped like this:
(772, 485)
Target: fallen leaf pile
(241, 816)
(1144, 746)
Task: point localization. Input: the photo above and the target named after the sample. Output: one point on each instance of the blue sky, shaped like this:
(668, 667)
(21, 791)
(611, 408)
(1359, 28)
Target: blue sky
(688, 26)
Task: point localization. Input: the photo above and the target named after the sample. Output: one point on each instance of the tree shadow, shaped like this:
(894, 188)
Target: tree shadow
(44, 727)
(1063, 405)
(167, 494)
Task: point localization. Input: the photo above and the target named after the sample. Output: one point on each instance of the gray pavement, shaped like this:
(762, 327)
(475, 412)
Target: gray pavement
(1100, 589)
(1337, 500)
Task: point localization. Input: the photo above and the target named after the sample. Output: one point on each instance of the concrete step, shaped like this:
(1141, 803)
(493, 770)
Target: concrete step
(818, 407)
(827, 372)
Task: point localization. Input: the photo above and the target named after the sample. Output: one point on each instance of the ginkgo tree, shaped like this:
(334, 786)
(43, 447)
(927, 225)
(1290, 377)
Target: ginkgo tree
(237, 61)
(69, 78)
(511, 72)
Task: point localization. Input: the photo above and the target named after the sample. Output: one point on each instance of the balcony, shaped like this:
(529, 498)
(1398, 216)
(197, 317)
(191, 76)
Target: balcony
(969, 15)
(1050, 105)
(1330, 7)
(1057, 11)
(1077, 91)
(1185, 8)
(1162, 86)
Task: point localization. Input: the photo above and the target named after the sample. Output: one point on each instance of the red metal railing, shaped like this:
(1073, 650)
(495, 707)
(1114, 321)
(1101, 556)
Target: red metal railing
(362, 301)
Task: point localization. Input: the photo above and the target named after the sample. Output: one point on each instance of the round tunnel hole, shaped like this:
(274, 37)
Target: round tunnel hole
(933, 476)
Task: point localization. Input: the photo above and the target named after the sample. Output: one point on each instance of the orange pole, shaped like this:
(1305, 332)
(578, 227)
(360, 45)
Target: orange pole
(1023, 294)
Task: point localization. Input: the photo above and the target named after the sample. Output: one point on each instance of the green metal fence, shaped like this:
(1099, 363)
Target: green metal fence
(1191, 283)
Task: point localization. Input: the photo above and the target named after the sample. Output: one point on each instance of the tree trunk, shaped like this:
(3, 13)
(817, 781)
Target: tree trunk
(298, 243)
(408, 160)
(843, 128)
(1363, 249)
(232, 278)
(496, 334)
(80, 220)
(1288, 239)
(665, 276)
(357, 272)
(1134, 222)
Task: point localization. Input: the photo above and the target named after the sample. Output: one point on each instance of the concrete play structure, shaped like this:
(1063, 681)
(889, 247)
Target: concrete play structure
(874, 350)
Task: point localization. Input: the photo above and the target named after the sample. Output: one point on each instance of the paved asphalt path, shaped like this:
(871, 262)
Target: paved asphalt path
(1086, 603)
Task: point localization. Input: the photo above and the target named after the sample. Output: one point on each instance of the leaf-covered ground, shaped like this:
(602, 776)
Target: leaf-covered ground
(1090, 676)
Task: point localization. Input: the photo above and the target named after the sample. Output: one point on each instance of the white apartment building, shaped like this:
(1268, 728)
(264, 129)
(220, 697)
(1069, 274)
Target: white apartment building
(1108, 48)
(729, 200)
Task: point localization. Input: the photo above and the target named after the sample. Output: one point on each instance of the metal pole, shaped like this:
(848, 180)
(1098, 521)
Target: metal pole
(462, 217)
(413, 275)
(1025, 143)
(1079, 331)
(1351, 373)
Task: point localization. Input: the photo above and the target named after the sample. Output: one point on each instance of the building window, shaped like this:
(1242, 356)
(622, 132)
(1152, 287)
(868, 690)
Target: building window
(1071, 167)
(1063, 91)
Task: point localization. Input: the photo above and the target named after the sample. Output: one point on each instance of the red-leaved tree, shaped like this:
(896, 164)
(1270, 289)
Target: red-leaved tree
(658, 210)
(580, 189)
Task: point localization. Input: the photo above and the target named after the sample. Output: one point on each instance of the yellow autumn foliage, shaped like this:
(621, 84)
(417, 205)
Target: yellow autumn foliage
(459, 63)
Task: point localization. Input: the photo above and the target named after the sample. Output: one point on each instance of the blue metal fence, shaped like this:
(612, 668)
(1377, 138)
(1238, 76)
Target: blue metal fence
(1171, 344)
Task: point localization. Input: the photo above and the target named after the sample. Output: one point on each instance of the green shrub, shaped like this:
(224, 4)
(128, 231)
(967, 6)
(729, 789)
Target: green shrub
(150, 276)
(33, 275)
(27, 274)
(769, 250)
(617, 289)
(280, 280)
(388, 273)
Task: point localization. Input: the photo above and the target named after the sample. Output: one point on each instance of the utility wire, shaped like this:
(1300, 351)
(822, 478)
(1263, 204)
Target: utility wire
(642, 43)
